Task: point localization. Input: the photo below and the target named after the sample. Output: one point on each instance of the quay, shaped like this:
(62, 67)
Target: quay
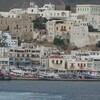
(51, 79)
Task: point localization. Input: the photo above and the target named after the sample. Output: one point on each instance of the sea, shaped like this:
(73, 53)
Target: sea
(49, 90)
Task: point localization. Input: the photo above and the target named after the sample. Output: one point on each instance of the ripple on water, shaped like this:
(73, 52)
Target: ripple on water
(27, 96)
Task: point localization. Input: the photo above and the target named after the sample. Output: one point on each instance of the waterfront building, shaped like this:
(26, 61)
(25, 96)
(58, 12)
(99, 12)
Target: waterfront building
(4, 63)
(93, 56)
(44, 62)
(22, 56)
(4, 58)
(80, 65)
(57, 62)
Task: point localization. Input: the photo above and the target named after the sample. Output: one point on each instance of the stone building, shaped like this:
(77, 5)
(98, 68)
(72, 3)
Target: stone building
(18, 26)
(29, 16)
(58, 27)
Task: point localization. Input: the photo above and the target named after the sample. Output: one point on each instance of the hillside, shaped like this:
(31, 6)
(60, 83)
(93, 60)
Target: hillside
(6, 5)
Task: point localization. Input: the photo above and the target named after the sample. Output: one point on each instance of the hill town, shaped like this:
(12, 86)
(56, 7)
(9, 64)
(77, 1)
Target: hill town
(37, 40)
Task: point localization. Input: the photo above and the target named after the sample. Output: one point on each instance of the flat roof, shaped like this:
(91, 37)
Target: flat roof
(87, 5)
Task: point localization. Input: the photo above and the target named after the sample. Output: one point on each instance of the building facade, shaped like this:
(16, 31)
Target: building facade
(88, 9)
(56, 62)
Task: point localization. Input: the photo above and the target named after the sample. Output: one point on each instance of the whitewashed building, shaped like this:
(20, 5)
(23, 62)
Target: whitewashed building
(9, 40)
(88, 9)
(4, 58)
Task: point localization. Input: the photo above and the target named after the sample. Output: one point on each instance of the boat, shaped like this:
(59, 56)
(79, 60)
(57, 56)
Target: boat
(4, 76)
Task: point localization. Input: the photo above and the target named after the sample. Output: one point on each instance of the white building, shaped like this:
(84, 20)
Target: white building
(90, 56)
(87, 9)
(4, 57)
(33, 9)
(9, 40)
(13, 13)
(48, 11)
(4, 14)
(80, 65)
(4, 52)
(94, 20)
(57, 62)
(4, 63)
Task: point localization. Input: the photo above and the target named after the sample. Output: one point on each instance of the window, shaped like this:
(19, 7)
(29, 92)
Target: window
(56, 61)
(57, 28)
(61, 61)
(69, 27)
(64, 28)
(32, 10)
(53, 61)
(18, 55)
(78, 64)
(27, 55)
(78, 9)
(22, 55)
(72, 65)
(61, 28)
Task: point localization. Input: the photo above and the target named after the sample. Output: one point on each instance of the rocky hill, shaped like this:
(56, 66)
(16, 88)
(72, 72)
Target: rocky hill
(6, 5)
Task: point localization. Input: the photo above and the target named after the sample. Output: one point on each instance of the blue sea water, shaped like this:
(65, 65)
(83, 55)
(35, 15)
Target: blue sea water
(49, 90)
(27, 96)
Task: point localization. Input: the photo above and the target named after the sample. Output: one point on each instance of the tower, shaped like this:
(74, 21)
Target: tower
(31, 4)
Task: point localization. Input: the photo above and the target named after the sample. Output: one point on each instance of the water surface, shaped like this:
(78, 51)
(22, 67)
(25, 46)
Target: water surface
(49, 90)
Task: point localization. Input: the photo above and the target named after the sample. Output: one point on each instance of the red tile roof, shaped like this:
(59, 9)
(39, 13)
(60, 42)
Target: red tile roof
(56, 56)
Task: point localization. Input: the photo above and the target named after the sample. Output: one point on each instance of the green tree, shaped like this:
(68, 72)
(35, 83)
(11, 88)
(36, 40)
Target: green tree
(38, 25)
(58, 41)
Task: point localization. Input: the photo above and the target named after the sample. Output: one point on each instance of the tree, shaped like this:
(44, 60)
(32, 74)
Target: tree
(58, 41)
(39, 23)
(41, 20)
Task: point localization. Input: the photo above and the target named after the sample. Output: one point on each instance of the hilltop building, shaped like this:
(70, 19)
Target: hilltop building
(87, 9)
